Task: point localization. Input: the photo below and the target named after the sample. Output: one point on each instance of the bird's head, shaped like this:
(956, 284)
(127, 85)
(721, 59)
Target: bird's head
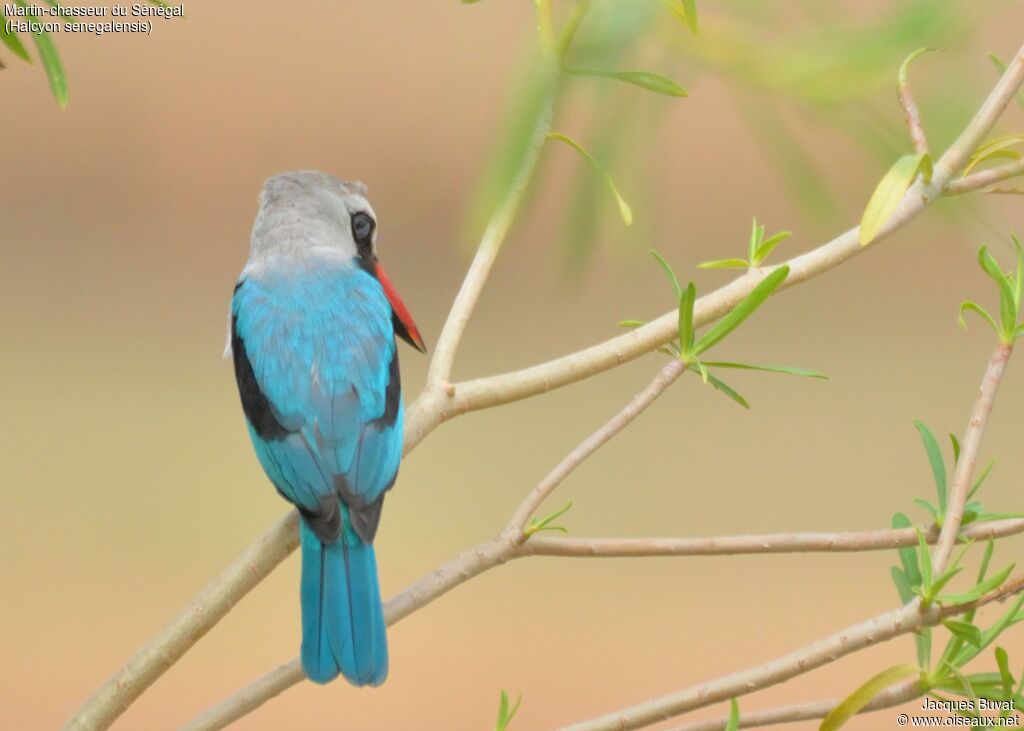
(307, 211)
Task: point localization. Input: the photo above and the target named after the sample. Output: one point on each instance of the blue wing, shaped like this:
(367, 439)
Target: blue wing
(317, 369)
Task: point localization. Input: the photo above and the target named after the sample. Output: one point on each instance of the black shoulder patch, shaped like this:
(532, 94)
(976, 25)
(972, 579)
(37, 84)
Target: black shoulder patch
(254, 401)
(392, 395)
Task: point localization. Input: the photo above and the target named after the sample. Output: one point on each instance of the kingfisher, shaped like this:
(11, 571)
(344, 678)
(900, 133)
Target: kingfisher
(313, 325)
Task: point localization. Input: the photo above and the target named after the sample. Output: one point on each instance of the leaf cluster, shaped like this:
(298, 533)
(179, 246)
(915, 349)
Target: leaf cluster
(757, 250)
(1011, 286)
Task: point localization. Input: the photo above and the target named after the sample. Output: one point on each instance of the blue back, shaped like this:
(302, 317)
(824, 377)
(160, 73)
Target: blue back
(321, 346)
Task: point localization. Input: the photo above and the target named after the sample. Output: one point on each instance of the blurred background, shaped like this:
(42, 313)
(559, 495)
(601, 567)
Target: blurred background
(129, 478)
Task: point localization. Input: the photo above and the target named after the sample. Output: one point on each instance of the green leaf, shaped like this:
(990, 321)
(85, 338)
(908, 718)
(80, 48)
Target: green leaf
(924, 557)
(766, 247)
(980, 311)
(956, 447)
(743, 310)
(859, 698)
(966, 631)
(644, 79)
(704, 375)
(756, 236)
(734, 716)
(791, 370)
(686, 11)
(624, 210)
(901, 77)
(887, 196)
(51, 63)
(998, 63)
(727, 390)
(931, 447)
(724, 264)
(998, 148)
(1005, 676)
(979, 589)
(941, 582)
(932, 510)
(506, 714)
(1007, 619)
(546, 524)
(667, 268)
(1007, 306)
(978, 483)
(632, 323)
(686, 301)
(908, 558)
(12, 41)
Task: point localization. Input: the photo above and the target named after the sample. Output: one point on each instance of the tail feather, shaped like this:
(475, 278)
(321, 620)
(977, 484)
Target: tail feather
(342, 618)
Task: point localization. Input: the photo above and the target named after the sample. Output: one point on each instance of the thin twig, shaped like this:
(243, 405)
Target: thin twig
(499, 389)
(440, 369)
(985, 178)
(909, 618)
(892, 696)
(665, 378)
(909, 104)
(878, 540)
(884, 627)
(195, 620)
(970, 445)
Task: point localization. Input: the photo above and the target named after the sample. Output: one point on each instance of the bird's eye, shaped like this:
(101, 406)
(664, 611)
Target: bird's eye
(362, 229)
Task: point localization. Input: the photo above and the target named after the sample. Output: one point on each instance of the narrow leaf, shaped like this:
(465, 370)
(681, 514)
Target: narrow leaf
(980, 311)
(51, 63)
(686, 301)
(931, 447)
(667, 268)
(979, 589)
(901, 77)
(1007, 307)
(724, 264)
(686, 11)
(12, 41)
(965, 631)
(956, 447)
(998, 63)
(768, 246)
(791, 370)
(1005, 676)
(644, 79)
(624, 210)
(996, 149)
(743, 310)
(727, 390)
(887, 196)
(863, 695)
(734, 716)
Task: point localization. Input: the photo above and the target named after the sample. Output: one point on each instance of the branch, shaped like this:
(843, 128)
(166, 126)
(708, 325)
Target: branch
(878, 540)
(985, 178)
(892, 696)
(970, 446)
(492, 391)
(909, 618)
(914, 125)
(439, 372)
(195, 620)
(665, 378)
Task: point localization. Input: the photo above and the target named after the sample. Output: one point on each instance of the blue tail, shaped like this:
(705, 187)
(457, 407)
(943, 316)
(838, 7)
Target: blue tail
(342, 616)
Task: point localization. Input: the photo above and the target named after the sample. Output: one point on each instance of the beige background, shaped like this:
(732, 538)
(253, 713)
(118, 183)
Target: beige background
(129, 479)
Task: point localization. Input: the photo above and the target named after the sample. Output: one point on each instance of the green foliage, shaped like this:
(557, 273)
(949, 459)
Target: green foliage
(46, 49)
(757, 250)
(688, 347)
(889, 192)
(1001, 67)
(644, 79)
(625, 212)
(505, 713)
(1011, 286)
(859, 698)
(1001, 148)
(542, 524)
(733, 723)
(901, 77)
